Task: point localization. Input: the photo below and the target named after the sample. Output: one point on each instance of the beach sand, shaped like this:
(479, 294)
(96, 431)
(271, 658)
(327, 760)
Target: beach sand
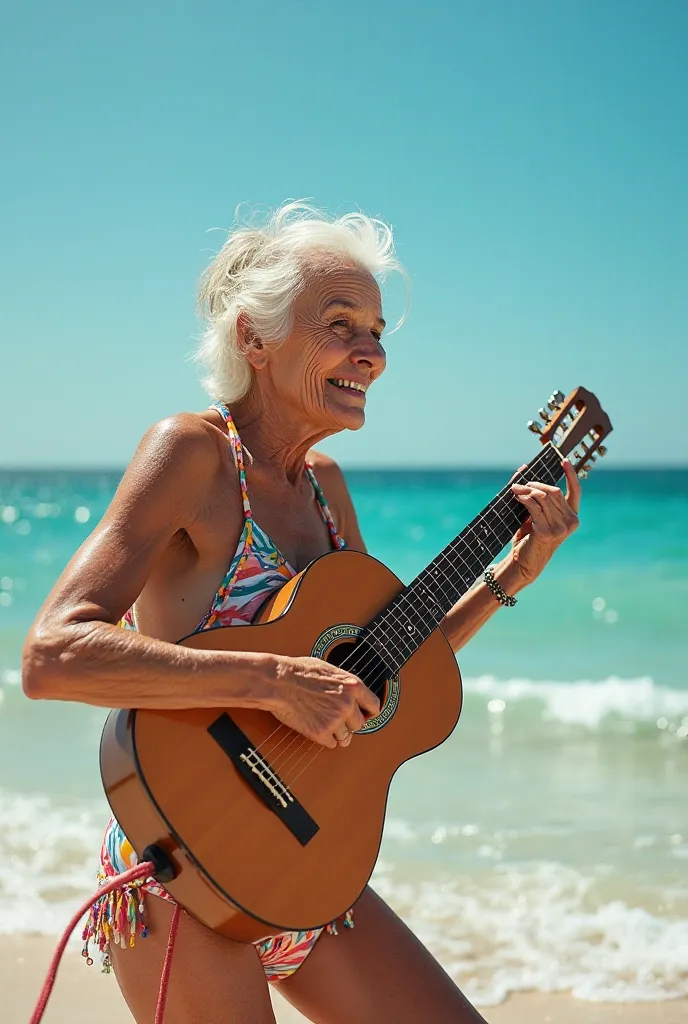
(85, 994)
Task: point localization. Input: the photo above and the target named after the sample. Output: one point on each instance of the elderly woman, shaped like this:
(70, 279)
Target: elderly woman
(215, 512)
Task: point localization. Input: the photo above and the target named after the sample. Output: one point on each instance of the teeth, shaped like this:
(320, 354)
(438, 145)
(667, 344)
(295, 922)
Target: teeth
(342, 383)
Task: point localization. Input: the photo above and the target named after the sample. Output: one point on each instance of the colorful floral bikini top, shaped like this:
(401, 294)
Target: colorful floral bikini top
(258, 567)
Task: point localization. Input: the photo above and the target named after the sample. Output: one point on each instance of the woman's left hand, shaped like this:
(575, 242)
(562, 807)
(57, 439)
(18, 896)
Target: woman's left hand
(553, 517)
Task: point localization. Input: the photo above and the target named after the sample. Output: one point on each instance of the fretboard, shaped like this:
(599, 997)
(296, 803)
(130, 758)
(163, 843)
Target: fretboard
(399, 630)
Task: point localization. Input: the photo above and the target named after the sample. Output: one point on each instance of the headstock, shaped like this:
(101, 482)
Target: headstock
(576, 425)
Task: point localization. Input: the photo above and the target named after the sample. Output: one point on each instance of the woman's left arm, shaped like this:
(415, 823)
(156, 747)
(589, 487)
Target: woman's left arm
(552, 517)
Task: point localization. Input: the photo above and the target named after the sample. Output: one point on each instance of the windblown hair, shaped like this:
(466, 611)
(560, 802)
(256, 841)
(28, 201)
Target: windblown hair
(260, 270)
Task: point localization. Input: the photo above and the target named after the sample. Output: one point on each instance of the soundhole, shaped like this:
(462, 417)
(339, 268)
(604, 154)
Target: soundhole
(359, 658)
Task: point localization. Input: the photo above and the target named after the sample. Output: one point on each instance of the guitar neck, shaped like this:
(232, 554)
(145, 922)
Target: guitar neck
(399, 630)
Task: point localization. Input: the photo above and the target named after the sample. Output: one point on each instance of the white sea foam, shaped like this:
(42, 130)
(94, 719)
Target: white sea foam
(536, 928)
(583, 702)
(48, 860)
(589, 703)
(498, 928)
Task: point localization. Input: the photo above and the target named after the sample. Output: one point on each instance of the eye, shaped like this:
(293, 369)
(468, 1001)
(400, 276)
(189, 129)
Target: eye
(341, 323)
(377, 335)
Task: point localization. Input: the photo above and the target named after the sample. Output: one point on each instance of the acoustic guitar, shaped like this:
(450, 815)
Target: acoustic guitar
(253, 828)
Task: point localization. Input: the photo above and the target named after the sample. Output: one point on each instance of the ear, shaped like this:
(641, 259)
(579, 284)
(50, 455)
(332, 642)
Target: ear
(249, 342)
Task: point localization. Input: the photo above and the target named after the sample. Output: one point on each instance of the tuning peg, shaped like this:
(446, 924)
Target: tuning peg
(555, 400)
(583, 474)
(534, 426)
(601, 451)
(544, 415)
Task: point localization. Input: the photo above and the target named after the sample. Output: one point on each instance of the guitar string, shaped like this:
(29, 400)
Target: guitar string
(357, 666)
(452, 550)
(284, 761)
(298, 737)
(319, 747)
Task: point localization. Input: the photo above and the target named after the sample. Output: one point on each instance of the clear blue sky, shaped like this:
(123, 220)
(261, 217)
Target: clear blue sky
(532, 157)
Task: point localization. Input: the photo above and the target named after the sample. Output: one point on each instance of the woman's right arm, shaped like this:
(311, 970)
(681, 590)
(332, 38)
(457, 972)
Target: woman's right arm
(75, 650)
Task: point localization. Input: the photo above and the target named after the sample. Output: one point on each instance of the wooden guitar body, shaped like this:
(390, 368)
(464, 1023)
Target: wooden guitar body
(244, 865)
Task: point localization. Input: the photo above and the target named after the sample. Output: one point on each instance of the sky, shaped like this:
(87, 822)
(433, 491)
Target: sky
(531, 156)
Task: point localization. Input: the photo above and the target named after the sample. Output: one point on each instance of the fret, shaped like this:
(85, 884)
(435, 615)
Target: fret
(431, 584)
(553, 472)
(418, 606)
(411, 621)
(435, 577)
(394, 651)
(413, 615)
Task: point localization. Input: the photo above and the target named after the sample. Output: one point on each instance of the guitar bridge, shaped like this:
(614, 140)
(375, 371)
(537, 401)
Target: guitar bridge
(260, 767)
(263, 780)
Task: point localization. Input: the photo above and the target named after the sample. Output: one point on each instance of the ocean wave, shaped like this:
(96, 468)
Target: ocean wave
(582, 702)
(48, 860)
(537, 928)
(589, 703)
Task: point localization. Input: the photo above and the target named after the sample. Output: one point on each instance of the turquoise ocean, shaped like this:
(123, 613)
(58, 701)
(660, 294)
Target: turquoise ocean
(545, 845)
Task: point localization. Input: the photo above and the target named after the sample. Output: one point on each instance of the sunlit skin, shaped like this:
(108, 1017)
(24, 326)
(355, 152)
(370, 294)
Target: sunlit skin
(165, 543)
(336, 334)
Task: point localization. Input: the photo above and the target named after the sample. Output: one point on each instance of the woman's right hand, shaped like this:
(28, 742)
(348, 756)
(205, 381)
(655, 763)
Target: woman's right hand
(321, 701)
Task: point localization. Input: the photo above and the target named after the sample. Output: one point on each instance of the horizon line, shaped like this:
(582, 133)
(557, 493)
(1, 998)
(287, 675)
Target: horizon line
(357, 468)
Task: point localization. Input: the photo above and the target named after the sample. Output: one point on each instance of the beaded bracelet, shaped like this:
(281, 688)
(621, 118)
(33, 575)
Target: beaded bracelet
(498, 591)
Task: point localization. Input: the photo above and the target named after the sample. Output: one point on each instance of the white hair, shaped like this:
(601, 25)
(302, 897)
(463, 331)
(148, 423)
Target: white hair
(260, 270)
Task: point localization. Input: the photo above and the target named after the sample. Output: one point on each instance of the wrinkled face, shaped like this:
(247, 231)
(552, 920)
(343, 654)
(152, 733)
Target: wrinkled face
(333, 352)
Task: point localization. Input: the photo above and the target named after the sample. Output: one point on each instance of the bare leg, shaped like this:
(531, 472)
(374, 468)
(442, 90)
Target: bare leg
(212, 980)
(376, 973)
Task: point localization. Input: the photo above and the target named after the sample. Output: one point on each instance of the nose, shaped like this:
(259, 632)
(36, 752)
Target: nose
(369, 353)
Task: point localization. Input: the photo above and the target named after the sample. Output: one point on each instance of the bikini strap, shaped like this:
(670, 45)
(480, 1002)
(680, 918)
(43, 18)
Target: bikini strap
(325, 508)
(236, 565)
(238, 453)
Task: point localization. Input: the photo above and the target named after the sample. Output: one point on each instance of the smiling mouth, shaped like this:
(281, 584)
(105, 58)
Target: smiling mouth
(348, 385)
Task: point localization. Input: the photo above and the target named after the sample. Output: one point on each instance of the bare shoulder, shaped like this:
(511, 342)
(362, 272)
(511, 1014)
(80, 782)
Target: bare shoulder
(183, 437)
(174, 467)
(324, 464)
(185, 443)
(335, 488)
(167, 488)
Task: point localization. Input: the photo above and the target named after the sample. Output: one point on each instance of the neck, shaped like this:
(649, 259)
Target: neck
(274, 438)
(399, 630)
